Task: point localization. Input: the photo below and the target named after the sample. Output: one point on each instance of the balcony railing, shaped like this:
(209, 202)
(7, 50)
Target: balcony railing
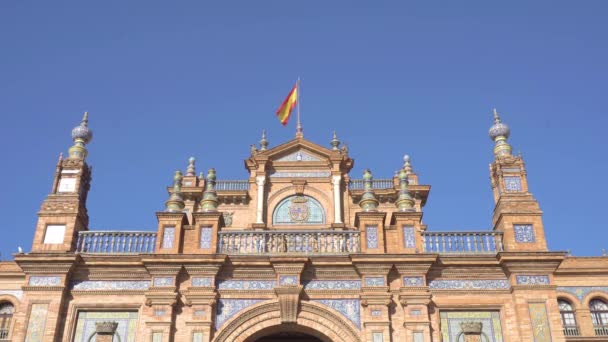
(462, 242)
(601, 330)
(116, 242)
(571, 330)
(289, 242)
(3, 334)
(357, 184)
(232, 185)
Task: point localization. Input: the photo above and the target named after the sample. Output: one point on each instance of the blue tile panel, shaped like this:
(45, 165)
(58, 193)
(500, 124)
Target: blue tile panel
(512, 183)
(163, 281)
(540, 322)
(37, 322)
(349, 308)
(409, 237)
(581, 292)
(413, 281)
(313, 174)
(91, 285)
(45, 281)
(299, 210)
(206, 238)
(332, 285)
(490, 320)
(202, 281)
(15, 293)
(371, 235)
(127, 324)
(465, 284)
(288, 280)
(168, 237)
(374, 281)
(532, 280)
(246, 284)
(524, 233)
(226, 308)
(376, 313)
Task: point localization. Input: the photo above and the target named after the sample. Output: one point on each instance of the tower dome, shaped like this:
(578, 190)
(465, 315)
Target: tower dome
(499, 129)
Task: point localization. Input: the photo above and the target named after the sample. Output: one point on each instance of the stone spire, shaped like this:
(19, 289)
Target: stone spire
(176, 201)
(210, 202)
(404, 201)
(263, 142)
(81, 135)
(499, 133)
(335, 143)
(368, 200)
(191, 170)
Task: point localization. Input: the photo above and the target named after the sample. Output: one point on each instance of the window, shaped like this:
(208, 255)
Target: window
(6, 314)
(568, 320)
(599, 316)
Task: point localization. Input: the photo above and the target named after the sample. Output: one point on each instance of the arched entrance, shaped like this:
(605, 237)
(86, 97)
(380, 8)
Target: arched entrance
(285, 337)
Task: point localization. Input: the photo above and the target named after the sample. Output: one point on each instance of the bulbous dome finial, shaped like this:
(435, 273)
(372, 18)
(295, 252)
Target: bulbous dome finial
(82, 131)
(499, 129)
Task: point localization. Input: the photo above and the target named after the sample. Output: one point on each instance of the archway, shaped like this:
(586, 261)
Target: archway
(286, 334)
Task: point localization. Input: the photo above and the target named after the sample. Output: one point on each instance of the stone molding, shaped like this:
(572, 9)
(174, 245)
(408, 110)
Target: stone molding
(289, 300)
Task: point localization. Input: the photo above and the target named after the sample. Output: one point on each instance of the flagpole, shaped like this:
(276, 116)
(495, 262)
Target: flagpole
(299, 133)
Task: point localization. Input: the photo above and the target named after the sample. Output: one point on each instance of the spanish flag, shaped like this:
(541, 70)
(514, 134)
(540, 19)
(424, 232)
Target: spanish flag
(284, 112)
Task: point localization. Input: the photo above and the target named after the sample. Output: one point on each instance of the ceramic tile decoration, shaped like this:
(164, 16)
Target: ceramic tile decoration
(157, 337)
(126, 330)
(512, 183)
(44, 281)
(91, 285)
(374, 281)
(163, 281)
(299, 210)
(419, 336)
(524, 233)
(200, 312)
(206, 237)
(532, 280)
(350, 308)
(332, 285)
(416, 312)
(246, 284)
(288, 280)
(582, 291)
(409, 237)
(376, 313)
(311, 174)
(159, 312)
(450, 324)
(299, 156)
(197, 336)
(413, 281)
(371, 233)
(37, 323)
(202, 281)
(168, 237)
(226, 308)
(15, 293)
(377, 337)
(466, 284)
(540, 322)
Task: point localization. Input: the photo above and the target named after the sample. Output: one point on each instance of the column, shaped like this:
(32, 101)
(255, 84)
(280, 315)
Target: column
(335, 180)
(260, 181)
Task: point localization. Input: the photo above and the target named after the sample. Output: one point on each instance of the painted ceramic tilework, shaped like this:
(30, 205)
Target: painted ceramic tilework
(163, 281)
(418, 336)
(197, 337)
(350, 308)
(498, 284)
(246, 284)
(299, 210)
(317, 174)
(512, 184)
(333, 285)
(524, 233)
(15, 293)
(540, 322)
(127, 324)
(409, 238)
(377, 337)
(532, 280)
(37, 323)
(89, 285)
(490, 320)
(157, 337)
(413, 281)
(205, 242)
(371, 234)
(415, 312)
(582, 291)
(202, 281)
(374, 281)
(288, 280)
(45, 281)
(168, 237)
(299, 156)
(226, 308)
(376, 313)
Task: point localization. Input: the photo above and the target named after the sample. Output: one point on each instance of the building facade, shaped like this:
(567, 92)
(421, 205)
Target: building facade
(300, 250)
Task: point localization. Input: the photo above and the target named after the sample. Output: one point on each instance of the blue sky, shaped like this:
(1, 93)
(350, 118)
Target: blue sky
(164, 81)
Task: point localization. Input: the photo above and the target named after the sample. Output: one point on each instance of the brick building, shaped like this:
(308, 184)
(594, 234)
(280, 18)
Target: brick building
(300, 250)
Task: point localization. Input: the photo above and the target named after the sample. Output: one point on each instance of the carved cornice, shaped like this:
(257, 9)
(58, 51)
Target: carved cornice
(45, 263)
(537, 262)
(161, 296)
(200, 296)
(376, 299)
(42, 288)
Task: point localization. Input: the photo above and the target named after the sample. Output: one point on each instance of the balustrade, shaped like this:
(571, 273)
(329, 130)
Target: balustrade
(289, 242)
(571, 330)
(116, 242)
(462, 242)
(232, 185)
(601, 330)
(357, 184)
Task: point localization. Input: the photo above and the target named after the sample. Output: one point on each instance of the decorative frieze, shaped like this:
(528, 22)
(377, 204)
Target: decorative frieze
(226, 308)
(350, 308)
(311, 174)
(413, 281)
(524, 233)
(110, 285)
(582, 291)
(375, 281)
(163, 281)
(466, 284)
(532, 280)
(288, 280)
(202, 281)
(246, 284)
(44, 281)
(333, 285)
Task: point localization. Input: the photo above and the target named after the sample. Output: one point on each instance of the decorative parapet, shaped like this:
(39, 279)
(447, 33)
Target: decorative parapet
(116, 242)
(489, 242)
(466, 284)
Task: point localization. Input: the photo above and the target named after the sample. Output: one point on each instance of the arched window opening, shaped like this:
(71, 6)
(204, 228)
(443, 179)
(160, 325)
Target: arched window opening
(568, 319)
(6, 315)
(599, 316)
(298, 210)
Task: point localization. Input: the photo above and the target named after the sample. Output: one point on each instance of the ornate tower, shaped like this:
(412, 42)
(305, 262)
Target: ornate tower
(516, 212)
(63, 213)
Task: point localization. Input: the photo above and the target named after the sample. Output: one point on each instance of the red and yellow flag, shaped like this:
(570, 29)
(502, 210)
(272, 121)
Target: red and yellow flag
(284, 112)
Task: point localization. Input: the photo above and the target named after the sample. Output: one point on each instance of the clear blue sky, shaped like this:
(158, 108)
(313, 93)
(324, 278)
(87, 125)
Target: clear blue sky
(164, 81)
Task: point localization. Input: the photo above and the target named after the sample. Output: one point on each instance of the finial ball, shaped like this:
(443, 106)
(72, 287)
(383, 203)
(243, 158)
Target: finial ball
(191, 159)
(406, 158)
